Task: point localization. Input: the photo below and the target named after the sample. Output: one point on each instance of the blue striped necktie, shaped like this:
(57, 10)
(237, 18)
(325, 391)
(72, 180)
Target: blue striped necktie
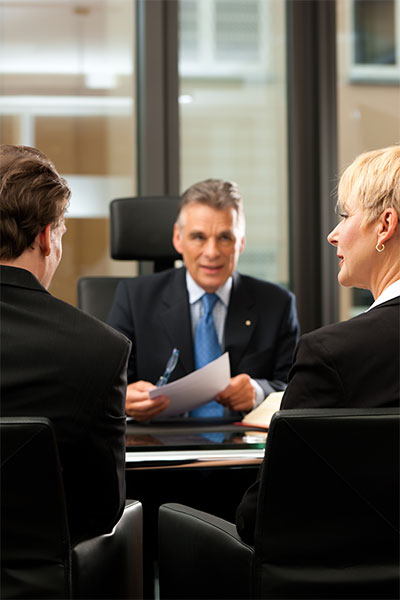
(207, 349)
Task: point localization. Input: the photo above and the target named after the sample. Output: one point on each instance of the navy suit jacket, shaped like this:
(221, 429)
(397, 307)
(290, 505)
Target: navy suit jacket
(351, 364)
(261, 328)
(60, 363)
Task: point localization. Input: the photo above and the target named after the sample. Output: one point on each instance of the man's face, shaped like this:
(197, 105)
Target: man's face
(210, 242)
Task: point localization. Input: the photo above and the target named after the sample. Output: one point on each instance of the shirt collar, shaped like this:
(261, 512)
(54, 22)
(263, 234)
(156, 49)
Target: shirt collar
(196, 292)
(392, 291)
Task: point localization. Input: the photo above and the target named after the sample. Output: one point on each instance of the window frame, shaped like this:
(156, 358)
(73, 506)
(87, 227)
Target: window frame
(373, 73)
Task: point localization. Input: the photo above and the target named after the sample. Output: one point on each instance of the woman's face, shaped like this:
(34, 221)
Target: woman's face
(355, 243)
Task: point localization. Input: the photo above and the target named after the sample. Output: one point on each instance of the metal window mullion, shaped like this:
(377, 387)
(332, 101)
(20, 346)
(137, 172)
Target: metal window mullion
(312, 157)
(157, 98)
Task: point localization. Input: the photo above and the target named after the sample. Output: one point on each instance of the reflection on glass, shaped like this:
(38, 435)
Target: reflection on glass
(374, 28)
(66, 79)
(368, 108)
(66, 86)
(166, 437)
(233, 116)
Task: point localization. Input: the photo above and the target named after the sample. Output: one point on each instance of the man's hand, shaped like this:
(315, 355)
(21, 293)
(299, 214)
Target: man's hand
(239, 395)
(139, 405)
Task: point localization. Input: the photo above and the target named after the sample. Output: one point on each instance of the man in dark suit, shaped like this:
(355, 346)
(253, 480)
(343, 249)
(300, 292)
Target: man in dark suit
(255, 321)
(56, 361)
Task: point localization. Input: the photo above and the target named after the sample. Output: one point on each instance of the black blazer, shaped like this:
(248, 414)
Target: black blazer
(351, 364)
(261, 327)
(61, 363)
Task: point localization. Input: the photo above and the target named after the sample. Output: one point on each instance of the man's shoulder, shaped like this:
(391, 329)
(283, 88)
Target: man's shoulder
(261, 286)
(89, 328)
(144, 283)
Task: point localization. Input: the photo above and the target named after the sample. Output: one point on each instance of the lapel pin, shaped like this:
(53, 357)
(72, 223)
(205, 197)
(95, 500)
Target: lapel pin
(247, 323)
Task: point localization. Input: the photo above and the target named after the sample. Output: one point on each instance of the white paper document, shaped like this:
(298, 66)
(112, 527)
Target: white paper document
(195, 389)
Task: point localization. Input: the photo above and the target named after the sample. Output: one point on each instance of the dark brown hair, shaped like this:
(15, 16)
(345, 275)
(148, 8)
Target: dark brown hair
(32, 195)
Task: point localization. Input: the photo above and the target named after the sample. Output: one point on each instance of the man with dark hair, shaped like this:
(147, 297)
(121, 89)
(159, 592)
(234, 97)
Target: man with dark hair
(255, 321)
(56, 361)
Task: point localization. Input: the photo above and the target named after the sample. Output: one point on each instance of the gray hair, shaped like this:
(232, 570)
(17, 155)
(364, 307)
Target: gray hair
(215, 193)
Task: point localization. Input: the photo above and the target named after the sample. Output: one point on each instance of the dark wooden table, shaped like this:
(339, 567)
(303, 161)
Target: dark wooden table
(205, 464)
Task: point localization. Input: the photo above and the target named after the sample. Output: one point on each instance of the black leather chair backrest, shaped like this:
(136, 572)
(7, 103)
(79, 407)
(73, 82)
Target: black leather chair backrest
(141, 229)
(327, 518)
(96, 295)
(34, 527)
(37, 558)
(328, 509)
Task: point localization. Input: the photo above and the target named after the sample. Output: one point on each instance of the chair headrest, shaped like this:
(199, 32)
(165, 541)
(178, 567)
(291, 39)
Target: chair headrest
(142, 227)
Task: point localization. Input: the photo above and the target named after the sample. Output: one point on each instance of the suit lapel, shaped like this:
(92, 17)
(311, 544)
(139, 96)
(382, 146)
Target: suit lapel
(241, 321)
(175, 314)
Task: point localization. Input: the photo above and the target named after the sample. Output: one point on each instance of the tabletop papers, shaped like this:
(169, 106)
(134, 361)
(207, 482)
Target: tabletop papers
(261, 415)
(195, 389)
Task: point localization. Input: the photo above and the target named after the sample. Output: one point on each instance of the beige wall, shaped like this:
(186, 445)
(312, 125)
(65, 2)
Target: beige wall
(368, 113)
(67, 86)
(86, 252)
(82, 146)
(368, 117)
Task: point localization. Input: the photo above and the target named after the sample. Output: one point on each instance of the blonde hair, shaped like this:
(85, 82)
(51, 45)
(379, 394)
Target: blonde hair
(372, 181)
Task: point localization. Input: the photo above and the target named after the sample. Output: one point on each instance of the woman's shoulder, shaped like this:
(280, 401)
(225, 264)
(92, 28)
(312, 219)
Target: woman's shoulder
(372, 327)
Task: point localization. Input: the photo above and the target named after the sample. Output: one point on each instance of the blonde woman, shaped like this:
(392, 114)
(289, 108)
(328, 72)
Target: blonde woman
(355, 363)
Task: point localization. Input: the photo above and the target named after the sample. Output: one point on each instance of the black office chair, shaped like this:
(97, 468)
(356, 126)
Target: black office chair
(37, 558)
(327, 519)
(96, 294)
(141, 229)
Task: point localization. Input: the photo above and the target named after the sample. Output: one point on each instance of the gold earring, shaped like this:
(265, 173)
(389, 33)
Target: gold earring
(380, 249)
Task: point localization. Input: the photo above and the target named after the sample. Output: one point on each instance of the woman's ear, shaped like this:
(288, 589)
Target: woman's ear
(387, 225)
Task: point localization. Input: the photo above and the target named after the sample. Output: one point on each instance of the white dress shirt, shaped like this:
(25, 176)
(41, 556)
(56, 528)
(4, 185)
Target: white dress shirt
(392, 291)
(220, 311)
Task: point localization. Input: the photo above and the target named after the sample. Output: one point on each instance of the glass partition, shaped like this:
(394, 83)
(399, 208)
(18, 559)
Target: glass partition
(232, 57)
(368, 53)
(66, 79)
